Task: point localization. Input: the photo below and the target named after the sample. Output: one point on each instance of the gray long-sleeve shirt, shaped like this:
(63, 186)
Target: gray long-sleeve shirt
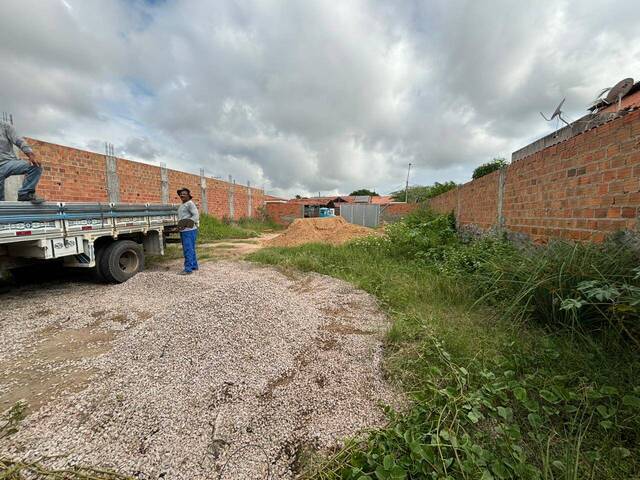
(9, 138)
(189, 210)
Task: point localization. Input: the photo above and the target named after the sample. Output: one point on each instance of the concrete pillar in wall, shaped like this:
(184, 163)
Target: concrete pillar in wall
(164, 183)
(501, 181)
(249, 202)
(113, 181)
(203, 192)
(231, 199)
(458, 208)
(11, 186)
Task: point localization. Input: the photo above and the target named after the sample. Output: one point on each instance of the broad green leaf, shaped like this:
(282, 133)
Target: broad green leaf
(520, 393)
(631, 401)
(535, 420)
(622, 452)
(549, 396)
(506, 413)
(606, 424)
(474, 415)
(607, 390)
(388, 462)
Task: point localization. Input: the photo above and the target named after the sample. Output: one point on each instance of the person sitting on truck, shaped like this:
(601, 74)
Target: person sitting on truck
(10, 164)
(188, 221)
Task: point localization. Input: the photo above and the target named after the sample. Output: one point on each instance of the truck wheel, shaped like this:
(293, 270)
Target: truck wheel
(121, 260)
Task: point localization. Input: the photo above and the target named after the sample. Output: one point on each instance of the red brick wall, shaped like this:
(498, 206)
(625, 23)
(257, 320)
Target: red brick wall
(285, 213)
(445, 203)
(72, 175)
(479, 202)
(139, 183)
(394, 211)
(580, 189)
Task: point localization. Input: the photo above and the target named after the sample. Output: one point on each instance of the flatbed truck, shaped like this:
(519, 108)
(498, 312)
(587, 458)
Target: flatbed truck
(109, 238)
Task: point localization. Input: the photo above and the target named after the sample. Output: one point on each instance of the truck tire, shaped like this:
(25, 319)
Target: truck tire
(98, 275)
(121, 260)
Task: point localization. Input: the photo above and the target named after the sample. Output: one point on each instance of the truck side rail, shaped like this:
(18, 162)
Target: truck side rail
(20, 221)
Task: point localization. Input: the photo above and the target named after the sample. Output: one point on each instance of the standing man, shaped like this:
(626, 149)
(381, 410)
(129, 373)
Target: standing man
(12, 165)
(188, 219)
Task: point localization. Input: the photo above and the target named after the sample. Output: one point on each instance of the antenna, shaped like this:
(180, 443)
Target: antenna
(618, 91)
(557, 113)
(614, 94)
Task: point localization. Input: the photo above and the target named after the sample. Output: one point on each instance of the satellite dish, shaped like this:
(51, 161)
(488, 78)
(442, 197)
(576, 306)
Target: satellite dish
(619, 90)
(556, 113)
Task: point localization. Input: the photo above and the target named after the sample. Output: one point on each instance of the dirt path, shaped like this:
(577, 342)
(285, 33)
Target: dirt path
(228, 373)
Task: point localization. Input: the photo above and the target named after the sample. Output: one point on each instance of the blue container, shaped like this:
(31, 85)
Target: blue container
(324, 212)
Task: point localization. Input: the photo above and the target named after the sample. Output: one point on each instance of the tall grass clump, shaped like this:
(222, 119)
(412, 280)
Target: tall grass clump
(584, 286)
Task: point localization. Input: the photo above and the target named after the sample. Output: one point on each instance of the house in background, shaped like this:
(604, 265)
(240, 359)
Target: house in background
(312, 205)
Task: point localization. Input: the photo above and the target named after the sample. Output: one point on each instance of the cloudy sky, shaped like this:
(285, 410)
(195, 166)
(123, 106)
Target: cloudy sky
(309, 95)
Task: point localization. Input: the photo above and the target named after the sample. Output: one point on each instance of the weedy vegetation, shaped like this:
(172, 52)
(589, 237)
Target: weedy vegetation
(520, 361)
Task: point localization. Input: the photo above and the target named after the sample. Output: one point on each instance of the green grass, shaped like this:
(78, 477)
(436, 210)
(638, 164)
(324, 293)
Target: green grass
(493, 395)
(212, 228)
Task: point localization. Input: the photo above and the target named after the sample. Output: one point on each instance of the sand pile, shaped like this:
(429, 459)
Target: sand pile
(333, 230)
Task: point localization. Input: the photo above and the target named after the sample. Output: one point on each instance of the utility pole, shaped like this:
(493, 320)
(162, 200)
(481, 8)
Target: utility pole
(406, 188)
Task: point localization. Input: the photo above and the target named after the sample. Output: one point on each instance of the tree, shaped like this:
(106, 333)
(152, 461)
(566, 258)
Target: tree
(487, 168)
(363, 192)
(421, 193)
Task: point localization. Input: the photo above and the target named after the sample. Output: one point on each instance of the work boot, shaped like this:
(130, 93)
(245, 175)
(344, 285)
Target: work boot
(30, 197)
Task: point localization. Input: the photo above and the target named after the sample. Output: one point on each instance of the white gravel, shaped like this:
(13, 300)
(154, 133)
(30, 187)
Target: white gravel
(227, 373)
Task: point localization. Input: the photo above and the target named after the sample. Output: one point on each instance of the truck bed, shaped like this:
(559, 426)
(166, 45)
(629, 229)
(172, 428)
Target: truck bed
(22, 221)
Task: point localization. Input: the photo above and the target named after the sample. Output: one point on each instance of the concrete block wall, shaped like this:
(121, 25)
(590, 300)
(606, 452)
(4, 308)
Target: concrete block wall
(581, 189)
(73, 175)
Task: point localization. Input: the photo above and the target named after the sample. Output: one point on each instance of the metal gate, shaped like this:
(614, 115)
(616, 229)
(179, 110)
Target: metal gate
(361, 214)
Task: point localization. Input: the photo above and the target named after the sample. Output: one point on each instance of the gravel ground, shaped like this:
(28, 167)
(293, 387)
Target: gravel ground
(228, 373)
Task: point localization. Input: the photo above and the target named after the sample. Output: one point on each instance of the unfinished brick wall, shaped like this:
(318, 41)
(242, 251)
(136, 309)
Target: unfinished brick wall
(445, 203)
(70, 174)
(478, 202)
(581, 189)
(73, 175)
(142, 183)
(284, 213)
(393, 212)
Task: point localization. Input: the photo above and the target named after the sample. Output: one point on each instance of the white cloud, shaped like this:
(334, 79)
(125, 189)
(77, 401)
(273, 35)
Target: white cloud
(310, 96)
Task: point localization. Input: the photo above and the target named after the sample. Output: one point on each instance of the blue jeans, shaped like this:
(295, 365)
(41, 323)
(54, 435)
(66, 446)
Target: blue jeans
(20, 167)
(188, 238)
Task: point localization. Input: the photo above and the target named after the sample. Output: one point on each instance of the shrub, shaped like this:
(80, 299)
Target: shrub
(487, 168)
(421, 193)
(422, 235)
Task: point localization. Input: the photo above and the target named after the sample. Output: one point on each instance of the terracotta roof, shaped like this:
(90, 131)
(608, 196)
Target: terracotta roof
(381, 200)
(320, 200)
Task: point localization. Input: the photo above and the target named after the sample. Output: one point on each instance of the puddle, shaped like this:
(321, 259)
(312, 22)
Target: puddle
(50, 367)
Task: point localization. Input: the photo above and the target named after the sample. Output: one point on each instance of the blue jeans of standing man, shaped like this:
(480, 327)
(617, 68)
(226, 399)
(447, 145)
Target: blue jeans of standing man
(188, 238)
(20, 167)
